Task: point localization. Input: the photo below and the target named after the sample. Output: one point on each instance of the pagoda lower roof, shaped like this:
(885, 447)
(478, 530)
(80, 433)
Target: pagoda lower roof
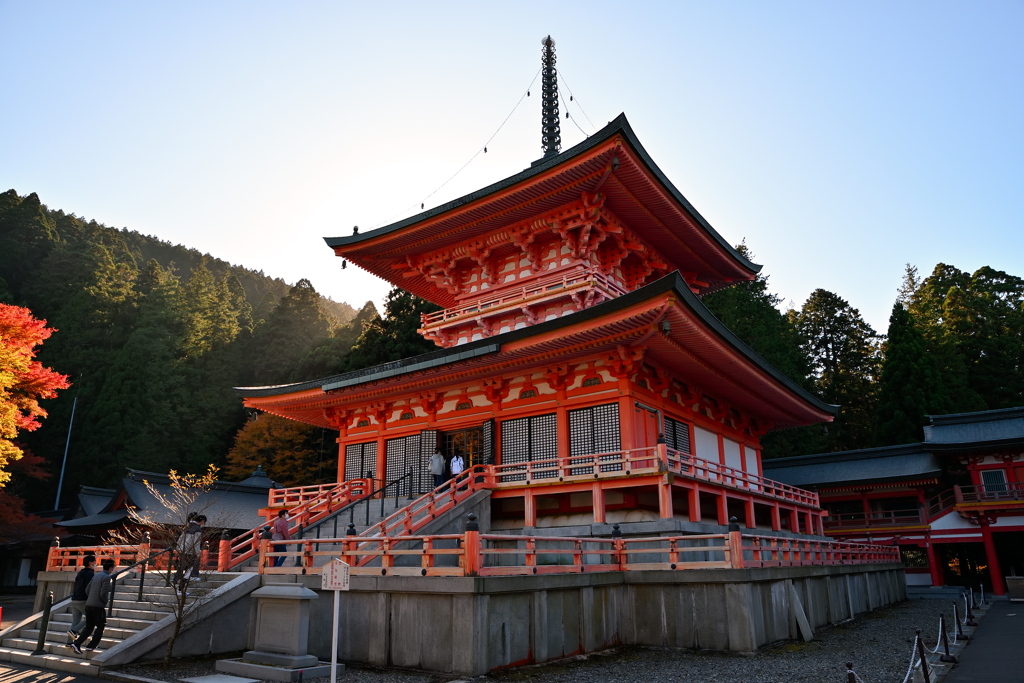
(612, 162)
(675, 328)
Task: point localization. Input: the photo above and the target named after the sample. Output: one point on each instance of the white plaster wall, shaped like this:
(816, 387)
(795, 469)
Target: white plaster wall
(706, 444)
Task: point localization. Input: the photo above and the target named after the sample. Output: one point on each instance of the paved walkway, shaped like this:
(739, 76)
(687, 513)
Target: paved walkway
(996, 651)
(17, 673)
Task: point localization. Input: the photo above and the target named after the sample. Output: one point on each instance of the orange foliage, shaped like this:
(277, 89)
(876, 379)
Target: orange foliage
(292, 453)
(23, 380)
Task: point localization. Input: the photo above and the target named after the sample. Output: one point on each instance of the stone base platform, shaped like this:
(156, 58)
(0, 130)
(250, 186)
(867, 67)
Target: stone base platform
(267, 672)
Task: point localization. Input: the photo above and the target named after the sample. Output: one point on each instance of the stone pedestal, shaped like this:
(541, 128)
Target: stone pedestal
(280, 638)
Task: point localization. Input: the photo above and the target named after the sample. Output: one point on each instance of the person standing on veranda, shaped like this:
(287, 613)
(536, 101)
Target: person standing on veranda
(437, 467)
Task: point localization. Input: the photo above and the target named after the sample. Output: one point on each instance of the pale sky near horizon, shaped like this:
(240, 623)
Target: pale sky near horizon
(839, 140)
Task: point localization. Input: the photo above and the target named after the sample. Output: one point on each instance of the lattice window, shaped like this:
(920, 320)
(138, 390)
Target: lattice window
(527, 439)
(361, 460)
(595, 430)
(400, 455)
(677, 435)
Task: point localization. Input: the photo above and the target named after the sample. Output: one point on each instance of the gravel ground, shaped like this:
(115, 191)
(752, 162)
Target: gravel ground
(878, 644)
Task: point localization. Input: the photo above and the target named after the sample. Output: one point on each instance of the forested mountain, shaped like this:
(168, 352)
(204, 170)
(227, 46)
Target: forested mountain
(153, 337)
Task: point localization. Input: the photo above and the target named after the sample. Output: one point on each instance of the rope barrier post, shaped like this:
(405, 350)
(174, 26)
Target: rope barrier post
(924, 662)
(44, 624)
(956, 617)
(970, 615)
(851, 676)
(945, 657)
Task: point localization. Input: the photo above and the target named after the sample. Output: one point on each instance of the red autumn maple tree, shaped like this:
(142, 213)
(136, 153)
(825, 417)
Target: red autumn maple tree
(23, 380)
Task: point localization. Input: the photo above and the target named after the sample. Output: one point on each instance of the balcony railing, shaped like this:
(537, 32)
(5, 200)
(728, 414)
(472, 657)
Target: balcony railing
(990, 493)
(887, 518)
(536, 290)
(644, 461)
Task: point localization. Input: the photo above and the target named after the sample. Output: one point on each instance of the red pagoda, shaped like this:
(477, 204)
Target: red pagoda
(572, 343)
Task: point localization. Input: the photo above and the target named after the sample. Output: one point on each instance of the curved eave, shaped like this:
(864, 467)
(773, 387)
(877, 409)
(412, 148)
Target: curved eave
(638, 192)
(698, 347)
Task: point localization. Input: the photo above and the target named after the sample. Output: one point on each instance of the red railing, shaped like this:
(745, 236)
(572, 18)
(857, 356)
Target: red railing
(61, 559)
(889, 518)
(537, 289)
(641, 461)
(990, 493)
(306, 505)
(476, 554)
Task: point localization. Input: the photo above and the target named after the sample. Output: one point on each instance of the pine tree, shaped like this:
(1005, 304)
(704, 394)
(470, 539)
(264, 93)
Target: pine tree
(910, 385)
(842, 348)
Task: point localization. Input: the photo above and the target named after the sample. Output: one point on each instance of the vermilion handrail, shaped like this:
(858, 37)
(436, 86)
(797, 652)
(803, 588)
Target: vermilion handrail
(496, 554)
(536, 288)
(987, 493)
(880, 518)
(311, 504)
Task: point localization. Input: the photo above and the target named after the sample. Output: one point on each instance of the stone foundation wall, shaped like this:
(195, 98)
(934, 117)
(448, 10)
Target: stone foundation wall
(469, 626)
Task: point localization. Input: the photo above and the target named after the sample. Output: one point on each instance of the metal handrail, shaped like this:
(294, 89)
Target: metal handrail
(350, 508)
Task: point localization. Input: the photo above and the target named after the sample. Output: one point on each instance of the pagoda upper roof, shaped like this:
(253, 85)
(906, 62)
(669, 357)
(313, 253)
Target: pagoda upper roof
(672, 324)
(611, 162)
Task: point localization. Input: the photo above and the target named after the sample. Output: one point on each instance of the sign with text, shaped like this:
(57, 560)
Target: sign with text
(335, 576)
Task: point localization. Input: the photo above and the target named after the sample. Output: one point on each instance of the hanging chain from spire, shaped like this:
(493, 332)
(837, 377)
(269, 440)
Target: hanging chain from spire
(551, 136)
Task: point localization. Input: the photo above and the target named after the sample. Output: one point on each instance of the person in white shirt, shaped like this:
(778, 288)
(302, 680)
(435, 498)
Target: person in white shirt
(457, 465)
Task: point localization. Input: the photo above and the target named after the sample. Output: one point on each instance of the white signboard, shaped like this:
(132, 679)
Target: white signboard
(335, 576)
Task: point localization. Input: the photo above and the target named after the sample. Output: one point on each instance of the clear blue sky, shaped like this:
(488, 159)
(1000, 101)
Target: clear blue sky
(840, 140)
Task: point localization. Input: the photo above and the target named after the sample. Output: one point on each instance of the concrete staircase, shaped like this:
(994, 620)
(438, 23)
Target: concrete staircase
(129, 618)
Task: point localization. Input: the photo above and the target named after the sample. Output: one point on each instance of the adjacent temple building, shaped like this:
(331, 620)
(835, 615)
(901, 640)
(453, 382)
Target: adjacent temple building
(572, 341)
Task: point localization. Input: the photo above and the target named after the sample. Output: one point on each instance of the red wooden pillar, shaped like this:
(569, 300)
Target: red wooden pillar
(809, 525)
(597, 499)
(665, 497)
(694, 496)
(794, 521)
(994, 570)
(529, 508)
(341, 458)
(749, 508)
(776, 517)
(723, 509)
(933, 562)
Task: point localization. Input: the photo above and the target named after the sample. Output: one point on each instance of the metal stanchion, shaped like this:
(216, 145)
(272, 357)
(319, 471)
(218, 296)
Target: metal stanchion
(970, 615)
(924, 661)
(45, 623)
(946, 657)
(956, 617)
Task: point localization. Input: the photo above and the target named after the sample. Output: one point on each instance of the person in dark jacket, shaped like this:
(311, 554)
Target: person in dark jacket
(95, 608)
(79, 596)
(190, 549)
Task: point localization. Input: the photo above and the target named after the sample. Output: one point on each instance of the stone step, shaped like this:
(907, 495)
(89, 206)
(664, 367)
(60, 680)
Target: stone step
(62, 625)
(61, 635)
(28, 646)
(55, 662)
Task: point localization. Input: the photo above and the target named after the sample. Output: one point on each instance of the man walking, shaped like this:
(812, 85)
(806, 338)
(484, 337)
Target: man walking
(437, 467)
(280, 532)
(79, 595)
(190, 548)
(95, 608)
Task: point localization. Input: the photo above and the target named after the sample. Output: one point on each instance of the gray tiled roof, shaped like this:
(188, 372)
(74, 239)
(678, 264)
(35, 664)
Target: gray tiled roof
(894, 463)
(1006, 425)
